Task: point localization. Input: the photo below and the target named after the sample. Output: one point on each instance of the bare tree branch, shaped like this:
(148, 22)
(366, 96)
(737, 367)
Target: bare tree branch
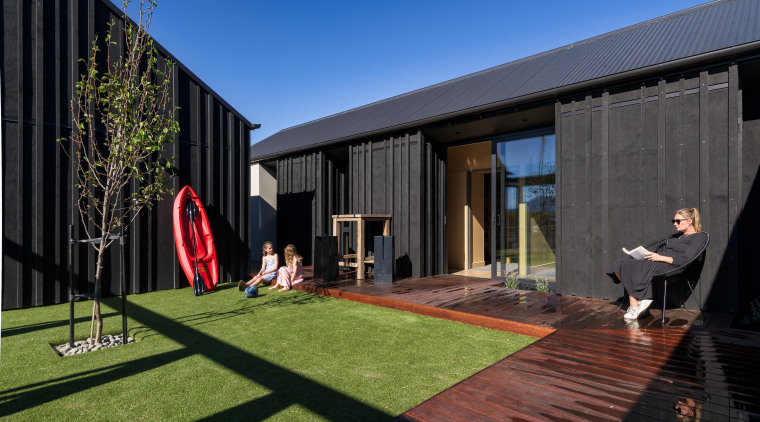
(123, 118)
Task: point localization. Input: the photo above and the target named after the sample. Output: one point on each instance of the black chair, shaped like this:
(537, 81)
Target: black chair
(689, 271)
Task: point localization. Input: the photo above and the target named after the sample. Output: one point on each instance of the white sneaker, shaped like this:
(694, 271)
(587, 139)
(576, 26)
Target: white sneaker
(632, 313)
(636, 312)
(643, 305)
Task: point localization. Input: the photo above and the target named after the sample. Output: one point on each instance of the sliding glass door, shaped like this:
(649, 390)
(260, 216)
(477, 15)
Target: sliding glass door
(524, 208)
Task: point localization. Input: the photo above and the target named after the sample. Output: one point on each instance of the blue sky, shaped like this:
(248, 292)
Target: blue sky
(283, 63)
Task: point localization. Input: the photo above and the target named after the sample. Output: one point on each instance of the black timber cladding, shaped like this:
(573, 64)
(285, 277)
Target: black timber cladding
(724, 26)
(745, 230)
(42, 42)
(631, 157)
(303, 209)
(401, 175)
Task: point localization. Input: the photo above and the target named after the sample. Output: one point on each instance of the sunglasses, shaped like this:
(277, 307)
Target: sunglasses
(679, 220)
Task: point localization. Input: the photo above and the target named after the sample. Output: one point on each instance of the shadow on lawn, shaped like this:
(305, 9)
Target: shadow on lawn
(24, 329)
(247, 308)
(287, 388)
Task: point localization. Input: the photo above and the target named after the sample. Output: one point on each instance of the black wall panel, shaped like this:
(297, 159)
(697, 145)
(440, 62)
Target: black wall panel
(303, 208)
(631, 156)
(403, 176)
(42, 42)
(749, 184)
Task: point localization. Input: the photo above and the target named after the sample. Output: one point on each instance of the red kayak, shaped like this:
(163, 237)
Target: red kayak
(208, 267)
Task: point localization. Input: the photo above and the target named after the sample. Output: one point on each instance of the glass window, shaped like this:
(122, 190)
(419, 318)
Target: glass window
(526, 208)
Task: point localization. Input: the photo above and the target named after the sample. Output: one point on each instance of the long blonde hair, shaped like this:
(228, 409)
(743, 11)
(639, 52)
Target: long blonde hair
(264, 247)
(693, 215)
(290, 252)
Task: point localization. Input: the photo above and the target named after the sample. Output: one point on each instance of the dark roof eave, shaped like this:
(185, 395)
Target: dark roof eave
(661, 69)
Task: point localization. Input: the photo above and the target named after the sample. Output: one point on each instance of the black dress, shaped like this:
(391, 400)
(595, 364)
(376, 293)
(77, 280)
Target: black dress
(636, 275)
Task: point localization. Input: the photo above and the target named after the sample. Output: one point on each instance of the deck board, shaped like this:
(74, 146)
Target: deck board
(588, 364)
(474, 298)
(559, 377)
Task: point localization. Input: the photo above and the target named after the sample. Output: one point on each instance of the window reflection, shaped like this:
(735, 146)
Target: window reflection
(527, 208)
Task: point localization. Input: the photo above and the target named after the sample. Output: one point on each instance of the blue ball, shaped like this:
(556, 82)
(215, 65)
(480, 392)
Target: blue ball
(251, 291)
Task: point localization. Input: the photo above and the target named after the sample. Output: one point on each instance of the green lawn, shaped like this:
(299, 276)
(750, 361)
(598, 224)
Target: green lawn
(280, 356)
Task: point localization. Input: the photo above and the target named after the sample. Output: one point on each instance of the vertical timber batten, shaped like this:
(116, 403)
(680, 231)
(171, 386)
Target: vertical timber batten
(704, 154)
(43, 44)
(401, 175)
(302, 202)
(735, 202)
(681, 140)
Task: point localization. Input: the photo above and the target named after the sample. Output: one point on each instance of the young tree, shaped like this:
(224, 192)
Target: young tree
(123, 118)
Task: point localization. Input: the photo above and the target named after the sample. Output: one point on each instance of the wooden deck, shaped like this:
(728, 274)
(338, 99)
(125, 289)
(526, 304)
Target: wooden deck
(589, 365)
(606, 375)
(487, 303)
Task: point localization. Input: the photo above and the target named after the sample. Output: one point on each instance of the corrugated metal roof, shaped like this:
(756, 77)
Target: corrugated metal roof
(710, 27)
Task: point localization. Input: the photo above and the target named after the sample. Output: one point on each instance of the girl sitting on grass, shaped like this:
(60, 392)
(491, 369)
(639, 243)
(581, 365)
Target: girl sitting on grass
(292, 272)
(268, 268)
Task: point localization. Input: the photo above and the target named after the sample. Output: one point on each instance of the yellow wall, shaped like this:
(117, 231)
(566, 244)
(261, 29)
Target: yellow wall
(456, 207)
(478, 213)
(460, 160)
(470, 157)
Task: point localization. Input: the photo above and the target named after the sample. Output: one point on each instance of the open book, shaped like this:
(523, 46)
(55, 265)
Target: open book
(637, 253)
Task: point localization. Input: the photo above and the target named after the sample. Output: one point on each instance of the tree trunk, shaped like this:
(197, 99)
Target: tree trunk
(96, 299)
(98, 320)
(101, 248)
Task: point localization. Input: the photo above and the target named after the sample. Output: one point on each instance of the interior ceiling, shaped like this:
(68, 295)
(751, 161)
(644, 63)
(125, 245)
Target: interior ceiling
(475, 128)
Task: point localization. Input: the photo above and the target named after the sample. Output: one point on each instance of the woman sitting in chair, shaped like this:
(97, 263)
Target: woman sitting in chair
(636, 275)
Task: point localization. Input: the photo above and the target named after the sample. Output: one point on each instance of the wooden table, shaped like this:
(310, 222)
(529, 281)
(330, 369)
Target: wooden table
(360, 219)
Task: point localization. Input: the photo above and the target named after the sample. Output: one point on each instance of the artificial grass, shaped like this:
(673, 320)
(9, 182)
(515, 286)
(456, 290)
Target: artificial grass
(280, 356)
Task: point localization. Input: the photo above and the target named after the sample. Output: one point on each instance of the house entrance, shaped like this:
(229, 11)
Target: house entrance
(501, 208)
(468, 222)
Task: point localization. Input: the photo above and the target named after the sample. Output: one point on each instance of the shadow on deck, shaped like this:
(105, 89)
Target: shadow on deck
(589, 364)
